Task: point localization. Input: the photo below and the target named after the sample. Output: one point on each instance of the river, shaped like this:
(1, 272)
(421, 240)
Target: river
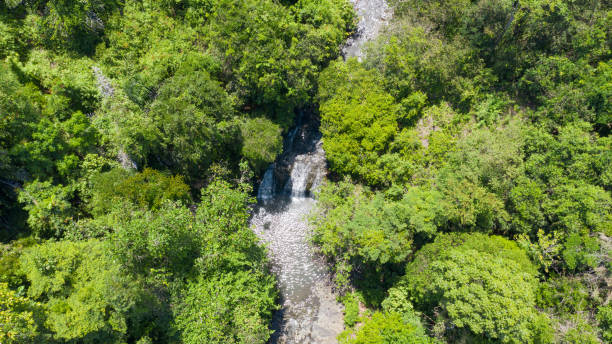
(310, 313)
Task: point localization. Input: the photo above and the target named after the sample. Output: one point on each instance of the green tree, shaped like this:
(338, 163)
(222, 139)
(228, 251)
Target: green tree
(228, 307)
(358, 120)
(49, 208)
(84, 294)
(195, 119)
(482, 287)
(18, 317)
(147, 189)
(164, 241)
(413, 59)
(386, 328)
(262, 142)
(68, 21)
(604, 315)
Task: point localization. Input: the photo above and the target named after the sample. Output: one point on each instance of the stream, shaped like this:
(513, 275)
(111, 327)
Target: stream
(309, 311)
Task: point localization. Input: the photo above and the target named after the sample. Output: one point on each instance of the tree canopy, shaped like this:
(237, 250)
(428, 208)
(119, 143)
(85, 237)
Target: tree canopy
(468, 198)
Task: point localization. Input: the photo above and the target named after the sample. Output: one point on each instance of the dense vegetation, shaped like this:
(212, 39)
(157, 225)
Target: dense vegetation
(469, 196)
(130, 134)
(471, 174)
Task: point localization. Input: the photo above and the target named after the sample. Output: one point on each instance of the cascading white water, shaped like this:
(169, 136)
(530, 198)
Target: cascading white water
(310, 313)
(307, 173)
(302, 165)
(266, 188)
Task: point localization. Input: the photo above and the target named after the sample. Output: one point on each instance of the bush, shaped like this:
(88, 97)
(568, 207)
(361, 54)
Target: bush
(262, 142)
(146, 190)
(386, 328)
(351, 309)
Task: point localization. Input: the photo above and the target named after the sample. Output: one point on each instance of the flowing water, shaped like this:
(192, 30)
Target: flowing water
(309, 313)
(373, 15)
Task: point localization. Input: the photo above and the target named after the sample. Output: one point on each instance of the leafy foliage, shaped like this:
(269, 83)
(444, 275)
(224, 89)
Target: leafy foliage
(83, 293)
(387, 328)
(125, 127)
(358, 120)
(262, 142)
(210, 265)
(147, 189)
(226, 308)
(18, 317)
(48, 206)
(482, 284)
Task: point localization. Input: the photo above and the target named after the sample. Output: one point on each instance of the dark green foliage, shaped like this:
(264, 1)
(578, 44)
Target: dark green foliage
(157, 274)
(49, 208)
(147, 190)
(152, 242)
(411, 60)
(604, 315)
(65, 24)
(568, 91)
(265, 63)
(166, 87)
(262, 142)
(370, 234)
(473, 116)
(17, 112)
(580, 251)
(565, 295)
(112, 115)
(9, 262)
(209, 263)
(195, 123)
(466, 121)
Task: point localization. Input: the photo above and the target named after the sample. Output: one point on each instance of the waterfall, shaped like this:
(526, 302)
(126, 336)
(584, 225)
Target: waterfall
(307, 173)
(301, 168)
(266, 188)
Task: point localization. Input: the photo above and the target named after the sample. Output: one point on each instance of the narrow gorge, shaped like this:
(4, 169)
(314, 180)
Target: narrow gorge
(310, 312)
